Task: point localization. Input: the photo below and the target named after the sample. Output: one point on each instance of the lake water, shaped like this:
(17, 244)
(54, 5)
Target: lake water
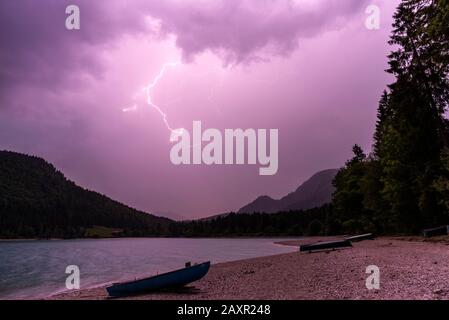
(36, 269)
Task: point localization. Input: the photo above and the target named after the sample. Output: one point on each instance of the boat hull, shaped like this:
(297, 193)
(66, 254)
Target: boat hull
(173, 279)
(366, 236)
(325, 245)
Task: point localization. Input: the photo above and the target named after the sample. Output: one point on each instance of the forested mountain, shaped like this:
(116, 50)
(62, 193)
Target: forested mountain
(315, 192)
(36, 200)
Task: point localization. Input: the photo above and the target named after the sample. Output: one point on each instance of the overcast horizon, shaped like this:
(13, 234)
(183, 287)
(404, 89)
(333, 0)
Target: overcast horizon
(310, 69)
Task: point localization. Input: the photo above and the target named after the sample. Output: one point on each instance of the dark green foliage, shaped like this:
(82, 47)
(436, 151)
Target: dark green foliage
(401, 187)
(348, 197)
(36, 200)
(383, 114)
(354, 201)
(442, 183)
(318, 221)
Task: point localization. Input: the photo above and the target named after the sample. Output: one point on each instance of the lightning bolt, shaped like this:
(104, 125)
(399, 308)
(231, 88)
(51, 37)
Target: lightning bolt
(147, 91)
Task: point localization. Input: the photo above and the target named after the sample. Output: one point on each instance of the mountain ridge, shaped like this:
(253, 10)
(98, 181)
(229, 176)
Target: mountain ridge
(37, 200)
(314, 192)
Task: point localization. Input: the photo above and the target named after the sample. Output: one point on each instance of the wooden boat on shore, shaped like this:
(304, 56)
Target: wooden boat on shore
(361, 237)
(433, 232)
(173, 279)
(325, 245)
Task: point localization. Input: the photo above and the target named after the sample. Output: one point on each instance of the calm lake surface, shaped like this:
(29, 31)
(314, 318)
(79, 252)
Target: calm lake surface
(36, 269)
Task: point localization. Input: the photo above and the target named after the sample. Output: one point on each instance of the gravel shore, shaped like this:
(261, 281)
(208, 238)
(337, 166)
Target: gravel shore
(408, 270)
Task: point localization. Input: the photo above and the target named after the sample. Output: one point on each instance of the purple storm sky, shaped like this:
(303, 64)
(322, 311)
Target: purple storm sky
(308, 68)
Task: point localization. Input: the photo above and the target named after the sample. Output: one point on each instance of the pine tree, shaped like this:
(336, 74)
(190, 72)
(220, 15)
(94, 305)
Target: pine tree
(348, 196)
(411, 130)
(403, 185)
(381, 124)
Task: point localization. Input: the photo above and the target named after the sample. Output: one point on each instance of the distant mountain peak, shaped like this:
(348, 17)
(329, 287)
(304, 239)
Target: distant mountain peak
(314, 192)
(263, 198)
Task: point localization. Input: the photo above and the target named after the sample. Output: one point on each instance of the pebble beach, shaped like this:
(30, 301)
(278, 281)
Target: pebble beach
(409, 269)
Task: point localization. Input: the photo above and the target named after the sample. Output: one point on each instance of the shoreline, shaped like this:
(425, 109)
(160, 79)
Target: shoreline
(409, 269)
(155, 237)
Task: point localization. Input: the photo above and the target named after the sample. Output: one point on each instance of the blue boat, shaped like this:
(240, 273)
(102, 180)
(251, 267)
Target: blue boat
(173, 279)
